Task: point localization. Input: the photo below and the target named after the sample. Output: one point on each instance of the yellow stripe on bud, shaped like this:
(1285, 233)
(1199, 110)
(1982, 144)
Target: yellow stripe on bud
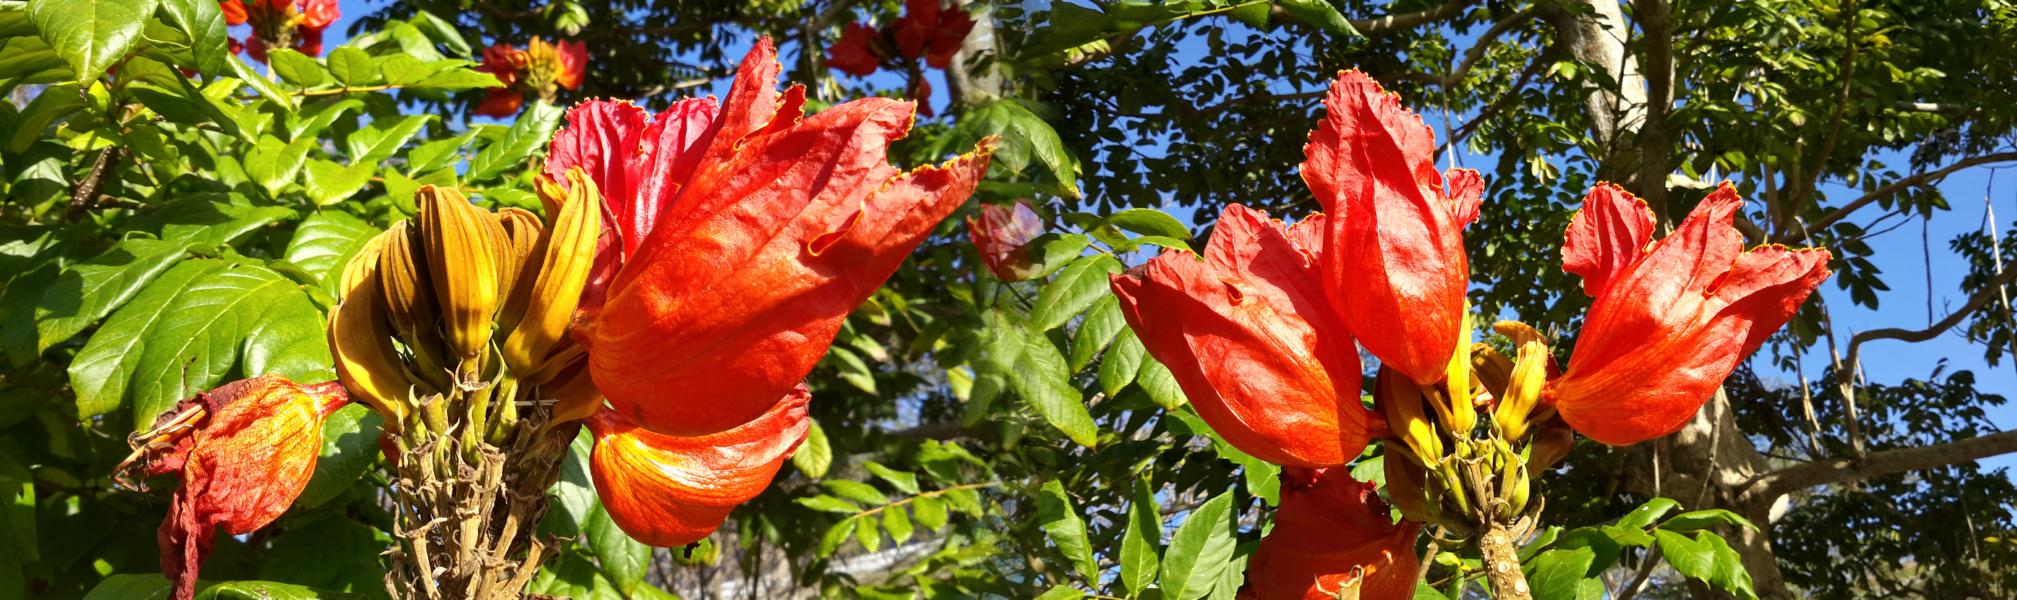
(1523, 390)
(1463, 412)
(1401, 401)
(463, 244)
(555, 289)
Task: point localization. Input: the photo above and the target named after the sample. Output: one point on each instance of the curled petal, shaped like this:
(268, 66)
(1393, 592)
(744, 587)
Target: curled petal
(552, 289)
(671, 491)
(1670, 326)
(1606, 236)
(318, 14)
(1250, 339)
(1331, 536)
(1395, 261)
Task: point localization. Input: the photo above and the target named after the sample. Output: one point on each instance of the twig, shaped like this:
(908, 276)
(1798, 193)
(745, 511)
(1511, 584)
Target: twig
(1842, 212)
(85, 196)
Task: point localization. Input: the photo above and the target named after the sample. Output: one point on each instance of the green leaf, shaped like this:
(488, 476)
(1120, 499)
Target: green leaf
(1141, 541)
(203, 22)
(1052, 251)
(1148, 221)
(352, 67)
(267, 590)
(383, 137)
(1075, 289)
(1646, 514)
(866, 534)
(903, 481)
(814, 456)
(88, 291)
(205, 221)
(17, 513)
(1061, 592)
(527, 135)
(930, 511)
(1161, 385)
(1036, 371)
(1322, 15)
(102, 371)
(1066, 529)
(402, 70)
(1200, 549)
(1102, 323)
(325, 242)
(55, 102)
(91, 35)
(1025, 140)
(1708, 558)
(331, 553)
(437, 154)
(260, 83)
(1123, 361)
(825, 503)
(349, 448)
(625, 561)
(456, 79)
(897, 523)
(273, 163)
(329, 182)
(148, 586)
(571, 576)
(1564, 574)
(835, 536)
(297, 69)
(574, 495)
(1703, 519)
(856, 491)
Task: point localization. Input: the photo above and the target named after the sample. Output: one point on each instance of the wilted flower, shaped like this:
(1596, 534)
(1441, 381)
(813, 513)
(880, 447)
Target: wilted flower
(742, 236)
(1002, 235)
(1250, 335)
(671, 491)
(1333, 539)
(1672, 318)
(540, 70)
(1394, 263)
(244, 452)
(295, 24)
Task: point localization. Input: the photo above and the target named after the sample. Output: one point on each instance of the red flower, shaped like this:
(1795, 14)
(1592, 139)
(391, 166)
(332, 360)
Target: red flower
(856, 52)
(234, 12)
(1395, 261)
(930, 30)
(245, 451)
(672, 491)
(502, 61)
(317, 14)
(294, 24)
(1671, 318)
(742, 239)
(1253, 342)
(1000, 235)
(1333, 536)
(571, 64)
(539, 69)
(501, 103)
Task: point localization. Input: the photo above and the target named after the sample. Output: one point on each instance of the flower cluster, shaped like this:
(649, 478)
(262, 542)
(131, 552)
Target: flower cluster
(295, 24)
(1262, 333)
(927, 30)
(538, 70)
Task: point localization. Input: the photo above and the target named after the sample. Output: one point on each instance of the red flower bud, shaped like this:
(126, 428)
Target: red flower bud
(742, 238)
(1672, 318)
(1395, 262)
(1000, 235)
(1332, 536)
(672, 491)
(245, 451)
(1250, 336)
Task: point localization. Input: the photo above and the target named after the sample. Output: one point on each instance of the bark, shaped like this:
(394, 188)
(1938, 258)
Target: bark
(1727, 462)
(1501, 552)
(1597, 35)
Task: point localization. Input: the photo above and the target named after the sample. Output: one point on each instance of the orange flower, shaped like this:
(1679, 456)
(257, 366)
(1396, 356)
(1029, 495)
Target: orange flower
(1001, 234)
(1672, 318)
(1395, 262)
(929, 29)
(857, 52)
(1250, 336)
(672, 491)
(743, 236)
(1330, 537)
(540, 69)
(245, 451)
(295, 24)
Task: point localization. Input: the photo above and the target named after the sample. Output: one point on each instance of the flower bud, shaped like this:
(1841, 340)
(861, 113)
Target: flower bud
(523, 236)
(361, 341)
(463, 244)
(1523, 390)
(408, 293)
(1552, 441)
(552, 292)
(1492, 369)
(1401, 401)
(1406, 489)
(1457, 381)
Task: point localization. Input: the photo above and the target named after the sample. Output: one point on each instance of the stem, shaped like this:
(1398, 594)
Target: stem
(1502, 563)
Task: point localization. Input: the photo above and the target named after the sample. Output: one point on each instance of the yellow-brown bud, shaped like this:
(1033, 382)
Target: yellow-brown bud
(1401, 401)
(554, 290)
(1406, 490)
(1491, 368)
(361, 342)
(523, 235)
(1523, 390)
(1552, 441)
(463, 244)
(1463, 413)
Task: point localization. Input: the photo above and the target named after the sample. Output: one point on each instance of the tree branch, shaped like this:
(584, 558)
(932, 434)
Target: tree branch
(1484, 43)
(1975, 302)
(1655, 20)
(1796, 234)
(1406, 20)
(1844, 470)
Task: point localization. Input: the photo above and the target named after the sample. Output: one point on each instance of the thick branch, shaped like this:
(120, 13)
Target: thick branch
(1975, 302)
(1890, 462)
(1406, 20)
(1654, 19)
(1796, 234)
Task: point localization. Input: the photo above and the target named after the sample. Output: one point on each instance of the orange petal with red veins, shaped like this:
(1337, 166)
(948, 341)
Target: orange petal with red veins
(1606, 236)
(671, 491)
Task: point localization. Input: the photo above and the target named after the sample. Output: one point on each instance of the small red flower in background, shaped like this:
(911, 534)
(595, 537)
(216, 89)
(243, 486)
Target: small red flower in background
(742, 237)
(1001, 234)
(856, 53)
(1251, 337)
(245, 451)
(931, 30)
(1332, 536)
(1672, 318)
(672, 491)
(1395, 261)
(295, 24)
(540, 69)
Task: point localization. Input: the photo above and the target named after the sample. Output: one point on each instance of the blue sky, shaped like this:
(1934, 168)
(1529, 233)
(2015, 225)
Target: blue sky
(1898, 254)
